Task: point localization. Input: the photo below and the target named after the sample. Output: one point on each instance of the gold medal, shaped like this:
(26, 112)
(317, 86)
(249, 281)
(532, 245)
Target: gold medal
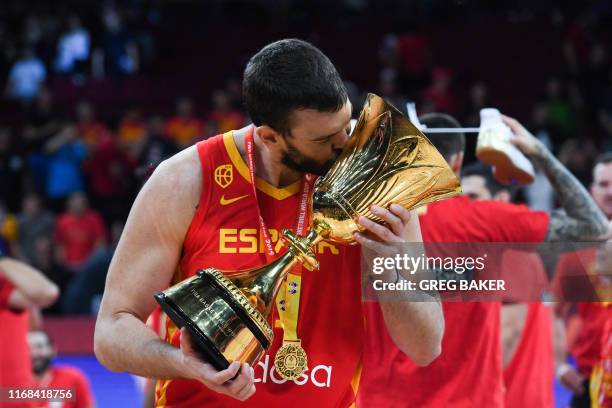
(291, 360)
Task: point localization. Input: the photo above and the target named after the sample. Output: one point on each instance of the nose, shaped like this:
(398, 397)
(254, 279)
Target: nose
(340, 140)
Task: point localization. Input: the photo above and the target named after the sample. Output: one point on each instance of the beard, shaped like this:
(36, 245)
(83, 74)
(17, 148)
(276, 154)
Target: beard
(40, 364)
(295, 160)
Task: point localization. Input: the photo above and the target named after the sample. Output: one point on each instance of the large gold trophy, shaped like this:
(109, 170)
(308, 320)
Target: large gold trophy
(387, 160)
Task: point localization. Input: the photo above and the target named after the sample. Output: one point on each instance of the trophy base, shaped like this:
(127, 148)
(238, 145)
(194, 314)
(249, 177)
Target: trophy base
(199, 341)
(222, 324)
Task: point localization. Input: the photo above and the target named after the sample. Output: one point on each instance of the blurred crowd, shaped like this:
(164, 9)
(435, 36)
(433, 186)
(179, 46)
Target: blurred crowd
(575, 106)
(67, 184)
(68, 176)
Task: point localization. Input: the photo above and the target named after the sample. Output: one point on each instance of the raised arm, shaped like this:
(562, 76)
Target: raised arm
(582, 220)
(145, 260)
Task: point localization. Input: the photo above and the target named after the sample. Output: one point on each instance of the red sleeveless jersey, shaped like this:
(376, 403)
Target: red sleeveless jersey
(468, 373)
(530, 384)
(224, 233)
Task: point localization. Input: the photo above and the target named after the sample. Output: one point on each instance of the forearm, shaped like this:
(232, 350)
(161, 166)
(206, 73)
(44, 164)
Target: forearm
(584, 219)
(31, 283)
(415, 327)
(124, 343)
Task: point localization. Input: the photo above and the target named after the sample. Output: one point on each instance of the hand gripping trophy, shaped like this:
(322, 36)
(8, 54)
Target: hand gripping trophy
(387, 160)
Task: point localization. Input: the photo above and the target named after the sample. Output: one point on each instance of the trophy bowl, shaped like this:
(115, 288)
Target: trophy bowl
(387, 160)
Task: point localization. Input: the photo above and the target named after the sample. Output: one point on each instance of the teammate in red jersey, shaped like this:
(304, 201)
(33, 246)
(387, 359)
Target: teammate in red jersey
(199, 209)
(577, 271)
(469, 371)
(21, 288)
(526, 328)
(57, 377)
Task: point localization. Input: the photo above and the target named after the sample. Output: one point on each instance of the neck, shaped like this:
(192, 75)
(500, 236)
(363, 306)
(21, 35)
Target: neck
(268, 166)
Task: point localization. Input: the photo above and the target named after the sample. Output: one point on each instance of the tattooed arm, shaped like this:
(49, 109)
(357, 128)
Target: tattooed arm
(582, 220)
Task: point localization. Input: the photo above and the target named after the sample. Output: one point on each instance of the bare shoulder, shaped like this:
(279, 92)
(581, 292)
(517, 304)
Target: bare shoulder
(171, 194)
(178, 178)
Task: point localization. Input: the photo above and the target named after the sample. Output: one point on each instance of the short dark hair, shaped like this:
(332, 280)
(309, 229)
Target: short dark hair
(446, 143)
(287, 75)
(604, 158)
(486, 172)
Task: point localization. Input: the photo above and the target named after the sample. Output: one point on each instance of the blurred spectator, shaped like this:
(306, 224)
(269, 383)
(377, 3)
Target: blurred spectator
(64, 174)
(234, 93)
(91, 131)
(8, 224)
(109, 170)
(224, 117)
(156, 149)
(184, 128)
(72, 47)
(44, 255)
(78, 232)
(88, 283)
(410, 54)
(132, 129)
(595, 75)
(439, 93)
(578, 39)
(121, 54)
(540, 194)
(541, 126)
(478, 99)
(26, 77)
(42, 123)
(389, 89)
(560, 111)
(57, 377)
(22, 288)
(33, 223)
(578, 155)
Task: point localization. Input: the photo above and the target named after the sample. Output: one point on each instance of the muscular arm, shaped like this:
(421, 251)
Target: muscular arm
(145, 261)
(416, 327)
(583, 220)
(143, 264)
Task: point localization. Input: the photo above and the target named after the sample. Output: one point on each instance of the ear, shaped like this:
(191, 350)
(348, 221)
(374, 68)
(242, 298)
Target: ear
(270, 137)
(456, 162)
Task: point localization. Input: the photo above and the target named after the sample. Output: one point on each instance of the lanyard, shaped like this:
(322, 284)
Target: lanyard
(288, 299)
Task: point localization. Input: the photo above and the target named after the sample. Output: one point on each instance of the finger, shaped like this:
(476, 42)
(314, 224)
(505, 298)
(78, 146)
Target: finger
(382, 232)
(394, 221)
(186, 347)
(243, 380)
(373, 245)
(225, 375)
(404, 214)
(513, 124)
(248, 393)
(245, 391)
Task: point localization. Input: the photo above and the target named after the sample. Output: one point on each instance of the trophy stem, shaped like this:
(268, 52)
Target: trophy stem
(261, 285)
